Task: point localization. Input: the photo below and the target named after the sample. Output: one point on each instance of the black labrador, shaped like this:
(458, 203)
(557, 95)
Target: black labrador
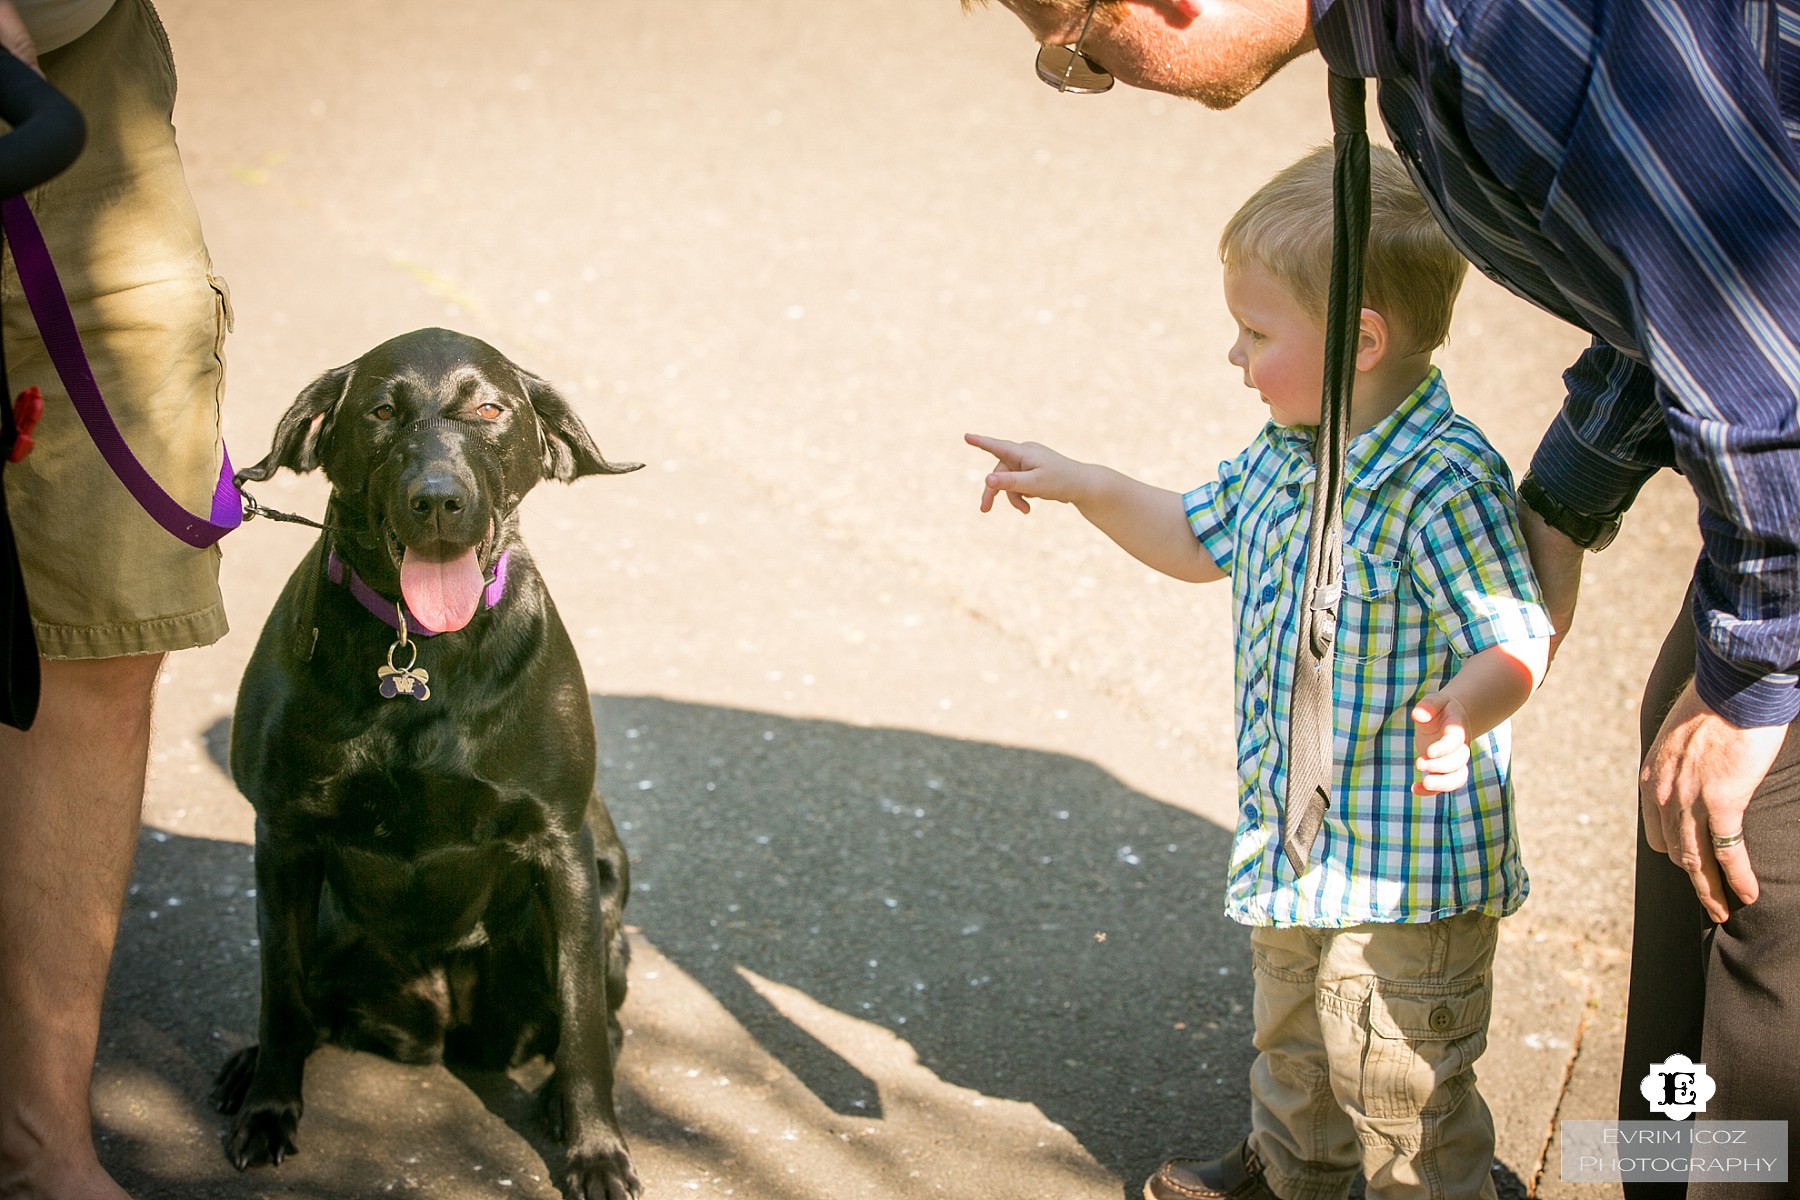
(437, 878)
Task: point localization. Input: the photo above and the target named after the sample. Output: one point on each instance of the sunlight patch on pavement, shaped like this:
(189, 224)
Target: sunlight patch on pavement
(729, 1118)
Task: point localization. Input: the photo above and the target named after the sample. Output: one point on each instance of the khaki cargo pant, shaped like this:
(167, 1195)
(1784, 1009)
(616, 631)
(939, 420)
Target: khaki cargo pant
(1368, 1038)
(102, 577)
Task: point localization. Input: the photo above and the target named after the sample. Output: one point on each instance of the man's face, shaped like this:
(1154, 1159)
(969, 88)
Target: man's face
(1216, 54)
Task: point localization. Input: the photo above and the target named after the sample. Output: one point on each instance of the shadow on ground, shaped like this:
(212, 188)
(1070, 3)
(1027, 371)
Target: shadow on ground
(1032, 927)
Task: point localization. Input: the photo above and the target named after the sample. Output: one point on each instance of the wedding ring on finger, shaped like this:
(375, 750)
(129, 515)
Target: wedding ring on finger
(1722, 841)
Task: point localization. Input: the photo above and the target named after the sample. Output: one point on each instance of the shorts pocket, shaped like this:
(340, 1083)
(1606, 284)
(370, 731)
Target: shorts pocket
(1422, 1047)
(1366, 614)
(224, 322)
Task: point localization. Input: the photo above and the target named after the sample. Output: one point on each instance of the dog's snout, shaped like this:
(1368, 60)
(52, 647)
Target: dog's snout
(439, 500)
(436, 494)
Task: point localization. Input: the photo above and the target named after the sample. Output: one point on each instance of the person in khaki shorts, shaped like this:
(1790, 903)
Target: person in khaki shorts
(111, 593)
(1373, 946)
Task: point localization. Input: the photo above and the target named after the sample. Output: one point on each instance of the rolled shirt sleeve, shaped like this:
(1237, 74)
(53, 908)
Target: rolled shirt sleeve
(1610, 436)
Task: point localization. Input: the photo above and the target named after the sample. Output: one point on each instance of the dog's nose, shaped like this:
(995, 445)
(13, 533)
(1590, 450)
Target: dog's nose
(435, 496)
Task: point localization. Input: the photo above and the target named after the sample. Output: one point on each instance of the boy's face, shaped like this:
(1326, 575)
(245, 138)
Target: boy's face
(1280, 346)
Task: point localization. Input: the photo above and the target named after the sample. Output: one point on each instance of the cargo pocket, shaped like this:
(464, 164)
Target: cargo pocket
(1422, 1047)
(224, 322)
(1366, 616)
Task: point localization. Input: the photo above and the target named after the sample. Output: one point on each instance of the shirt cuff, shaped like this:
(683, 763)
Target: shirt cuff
(1580, 477)
(1747, 700)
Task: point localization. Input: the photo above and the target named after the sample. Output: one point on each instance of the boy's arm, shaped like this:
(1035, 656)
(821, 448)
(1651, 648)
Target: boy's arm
(1491, 686)
(1469, 564)
(1149, 523)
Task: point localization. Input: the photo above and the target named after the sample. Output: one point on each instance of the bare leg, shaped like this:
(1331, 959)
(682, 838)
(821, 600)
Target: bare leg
(71, 791)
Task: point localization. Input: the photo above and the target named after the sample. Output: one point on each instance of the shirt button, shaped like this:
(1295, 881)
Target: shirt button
(1260, 708)
(1442, 1018)
(1250, 812)
(1268, 592)
(1292, 489)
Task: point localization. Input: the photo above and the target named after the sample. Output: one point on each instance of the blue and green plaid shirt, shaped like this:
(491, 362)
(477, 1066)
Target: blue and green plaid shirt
(1434, 571)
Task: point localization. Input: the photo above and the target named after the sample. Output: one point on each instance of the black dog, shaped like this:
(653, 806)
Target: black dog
(436, 875)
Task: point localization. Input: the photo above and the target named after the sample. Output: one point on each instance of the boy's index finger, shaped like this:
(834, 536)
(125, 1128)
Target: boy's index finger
(1007, 452)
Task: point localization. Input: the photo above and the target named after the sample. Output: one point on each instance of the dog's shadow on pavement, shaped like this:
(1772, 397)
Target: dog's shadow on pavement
(1034, 928)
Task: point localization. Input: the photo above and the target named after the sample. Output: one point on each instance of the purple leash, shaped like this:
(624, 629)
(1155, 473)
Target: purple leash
(44, 293)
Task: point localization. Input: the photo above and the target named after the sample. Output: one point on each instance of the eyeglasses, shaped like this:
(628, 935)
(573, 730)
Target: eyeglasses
(1067, 69)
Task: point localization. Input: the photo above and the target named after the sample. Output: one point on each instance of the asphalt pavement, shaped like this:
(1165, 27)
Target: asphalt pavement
(928, 810)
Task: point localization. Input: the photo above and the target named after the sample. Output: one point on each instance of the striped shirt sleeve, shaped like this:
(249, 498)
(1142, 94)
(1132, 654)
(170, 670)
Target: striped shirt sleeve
(1635, 168)
(1212, 511)
(1468, 562)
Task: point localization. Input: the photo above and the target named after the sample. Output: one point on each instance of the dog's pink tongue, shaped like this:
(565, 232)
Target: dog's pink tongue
(441, 592)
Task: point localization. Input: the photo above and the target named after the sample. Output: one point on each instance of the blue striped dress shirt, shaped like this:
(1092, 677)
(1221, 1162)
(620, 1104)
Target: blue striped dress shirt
(1631, 166)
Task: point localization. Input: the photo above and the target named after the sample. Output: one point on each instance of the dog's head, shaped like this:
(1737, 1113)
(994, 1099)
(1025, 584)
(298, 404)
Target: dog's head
(430, 440)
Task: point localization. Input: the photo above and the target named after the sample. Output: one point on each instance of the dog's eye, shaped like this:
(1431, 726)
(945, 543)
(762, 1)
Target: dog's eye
(489, 411)
(382, 412)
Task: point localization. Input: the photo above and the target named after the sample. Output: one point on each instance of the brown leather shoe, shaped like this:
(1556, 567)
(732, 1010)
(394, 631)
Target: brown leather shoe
(1238, 1175)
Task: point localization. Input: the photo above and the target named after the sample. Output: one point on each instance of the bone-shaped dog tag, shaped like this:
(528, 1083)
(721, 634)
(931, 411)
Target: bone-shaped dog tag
(408, 680)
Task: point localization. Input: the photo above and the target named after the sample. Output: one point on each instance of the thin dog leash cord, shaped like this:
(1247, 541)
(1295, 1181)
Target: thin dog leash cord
(255, 508)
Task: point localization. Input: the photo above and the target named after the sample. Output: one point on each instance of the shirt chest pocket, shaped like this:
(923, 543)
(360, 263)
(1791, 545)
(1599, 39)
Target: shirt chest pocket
(1367, 615)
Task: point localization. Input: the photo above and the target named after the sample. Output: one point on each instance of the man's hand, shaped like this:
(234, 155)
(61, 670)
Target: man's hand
(1696, 783)
(1028, 469)
(1441, 741)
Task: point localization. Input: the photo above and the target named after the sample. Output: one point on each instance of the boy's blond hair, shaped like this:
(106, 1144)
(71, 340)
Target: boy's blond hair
(1411, 272)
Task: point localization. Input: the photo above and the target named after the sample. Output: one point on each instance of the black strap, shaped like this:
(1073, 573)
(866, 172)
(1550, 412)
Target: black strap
(18, 643)
(1311, 768)
(46, 134)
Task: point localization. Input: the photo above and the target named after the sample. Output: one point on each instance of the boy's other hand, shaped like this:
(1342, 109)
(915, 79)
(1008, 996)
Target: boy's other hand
(1026, 469)
(1441, 740)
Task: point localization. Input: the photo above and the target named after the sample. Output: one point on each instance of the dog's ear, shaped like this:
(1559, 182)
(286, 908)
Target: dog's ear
(569, 451)
(302, 428)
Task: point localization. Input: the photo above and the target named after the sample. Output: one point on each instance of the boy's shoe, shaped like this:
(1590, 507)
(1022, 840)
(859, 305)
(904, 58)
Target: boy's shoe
(1238, 1175)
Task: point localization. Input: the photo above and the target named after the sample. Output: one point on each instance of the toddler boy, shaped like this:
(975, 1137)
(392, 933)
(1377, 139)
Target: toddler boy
(1373, 965)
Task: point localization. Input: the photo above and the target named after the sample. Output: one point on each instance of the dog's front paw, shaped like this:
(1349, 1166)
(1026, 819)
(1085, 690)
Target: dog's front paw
(604, 1175)
(232, 1083)
(263, 1134)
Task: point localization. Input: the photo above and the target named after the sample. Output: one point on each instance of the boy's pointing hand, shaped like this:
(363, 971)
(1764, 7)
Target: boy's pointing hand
(1028, 469)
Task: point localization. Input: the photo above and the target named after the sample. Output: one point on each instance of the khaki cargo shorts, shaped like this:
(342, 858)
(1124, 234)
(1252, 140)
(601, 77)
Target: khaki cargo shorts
(103, 578)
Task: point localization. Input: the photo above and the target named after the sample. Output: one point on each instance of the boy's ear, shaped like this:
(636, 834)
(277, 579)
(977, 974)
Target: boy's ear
(1373, 338)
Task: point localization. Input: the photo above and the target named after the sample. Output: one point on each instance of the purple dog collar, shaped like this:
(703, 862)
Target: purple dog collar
(342, 573)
